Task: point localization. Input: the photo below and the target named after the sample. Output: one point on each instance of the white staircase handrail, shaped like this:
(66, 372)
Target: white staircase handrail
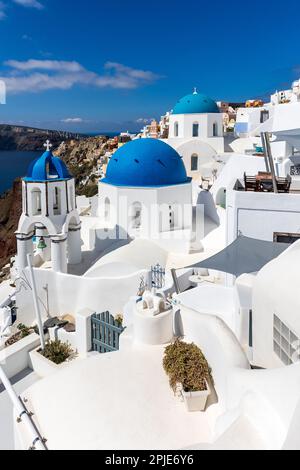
(23, 416)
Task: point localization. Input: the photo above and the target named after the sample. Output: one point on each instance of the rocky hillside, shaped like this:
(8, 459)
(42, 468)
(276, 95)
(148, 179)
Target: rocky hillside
(83, 160)
(30, 139)
(10, 212)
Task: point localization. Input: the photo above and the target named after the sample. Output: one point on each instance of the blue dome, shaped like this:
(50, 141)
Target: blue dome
(196, 103)
(47, 168)
(146, 163)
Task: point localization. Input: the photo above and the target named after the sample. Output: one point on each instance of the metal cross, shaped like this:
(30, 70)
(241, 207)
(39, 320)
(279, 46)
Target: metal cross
(48, 145)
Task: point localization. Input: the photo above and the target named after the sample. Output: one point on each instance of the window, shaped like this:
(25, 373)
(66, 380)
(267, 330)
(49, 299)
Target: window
(264, 116)
(195, 129)
(286, 344)
(194, 162)
(57, 201)
(107, 208)
(176, 129)
(72, 198)
(215, 130)
(286, 237)
(136, 215)
(36, 201)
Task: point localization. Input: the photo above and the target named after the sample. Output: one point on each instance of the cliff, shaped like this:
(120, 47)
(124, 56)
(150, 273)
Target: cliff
(10, 212)
(30, 139)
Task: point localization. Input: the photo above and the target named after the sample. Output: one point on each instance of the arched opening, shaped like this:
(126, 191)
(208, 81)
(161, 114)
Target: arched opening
(194, 162)
(74, 242)
(57, 201)
(176, 129)
(107, 208)
(72, 198)
(172, 216)
(221, 198)
(215, 130)
(196, 129)
(36, 201)
(136, 215)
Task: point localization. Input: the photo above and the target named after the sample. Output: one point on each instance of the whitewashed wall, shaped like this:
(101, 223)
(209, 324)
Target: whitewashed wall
(260, 215)
(70, 294)
(276, 292)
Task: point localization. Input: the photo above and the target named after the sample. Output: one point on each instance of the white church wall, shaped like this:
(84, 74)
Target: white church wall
(186, 121)
(155, 208)
(205, 153)
(179, 199)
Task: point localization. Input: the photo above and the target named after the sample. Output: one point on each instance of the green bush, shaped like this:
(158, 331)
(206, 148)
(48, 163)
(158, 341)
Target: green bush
(185, 364)
(57, 352)
(24, 330)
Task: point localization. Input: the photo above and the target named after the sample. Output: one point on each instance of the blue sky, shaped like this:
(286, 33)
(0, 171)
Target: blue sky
(102, 66)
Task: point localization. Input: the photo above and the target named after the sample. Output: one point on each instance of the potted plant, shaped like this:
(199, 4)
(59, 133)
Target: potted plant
(23, 332)
(48, 361)
(119, 319)
(188, 369)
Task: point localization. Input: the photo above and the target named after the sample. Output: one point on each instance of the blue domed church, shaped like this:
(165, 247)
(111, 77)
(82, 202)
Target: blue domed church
(196, 132)
(146, 190)
(49, 227)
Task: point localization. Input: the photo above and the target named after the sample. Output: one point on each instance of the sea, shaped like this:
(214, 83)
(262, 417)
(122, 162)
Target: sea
(14, 165)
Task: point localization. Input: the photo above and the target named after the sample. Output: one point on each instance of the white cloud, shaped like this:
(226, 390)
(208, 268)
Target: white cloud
(2, 11)
(40, 75)
(50, 65)
(144, 120)
(72, 120)
(30, 4)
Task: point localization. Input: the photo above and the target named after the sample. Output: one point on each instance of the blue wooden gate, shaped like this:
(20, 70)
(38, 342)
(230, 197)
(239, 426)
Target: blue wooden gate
(105, 333)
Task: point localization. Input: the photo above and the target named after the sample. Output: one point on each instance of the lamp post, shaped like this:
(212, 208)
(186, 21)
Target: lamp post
(36, 302)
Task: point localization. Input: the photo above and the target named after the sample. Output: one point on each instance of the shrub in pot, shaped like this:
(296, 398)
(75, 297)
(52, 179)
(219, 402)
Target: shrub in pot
(57, 352)
(187, 367)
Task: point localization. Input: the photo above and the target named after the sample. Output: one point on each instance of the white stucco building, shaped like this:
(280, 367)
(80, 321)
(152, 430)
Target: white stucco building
(196, 133)
(280, 117)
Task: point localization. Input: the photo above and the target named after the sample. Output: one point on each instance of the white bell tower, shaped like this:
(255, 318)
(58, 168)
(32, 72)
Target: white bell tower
(49, 220)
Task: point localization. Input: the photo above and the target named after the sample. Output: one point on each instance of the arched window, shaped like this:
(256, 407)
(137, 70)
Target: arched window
(215, 130)
(196, 129)
(221, 198)
(36, 201)
(72, 198)
(176, 129)
(194, 162)
(57, 201)
(107, 208)
(136, 215)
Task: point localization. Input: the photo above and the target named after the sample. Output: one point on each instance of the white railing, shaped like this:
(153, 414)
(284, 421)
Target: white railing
(37, 442)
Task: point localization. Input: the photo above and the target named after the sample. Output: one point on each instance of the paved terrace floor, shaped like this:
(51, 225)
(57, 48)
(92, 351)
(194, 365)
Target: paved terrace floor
(119, 401)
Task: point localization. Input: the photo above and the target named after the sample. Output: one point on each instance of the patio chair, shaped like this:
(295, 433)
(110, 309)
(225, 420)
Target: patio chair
(250, 183)
(284, 184)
